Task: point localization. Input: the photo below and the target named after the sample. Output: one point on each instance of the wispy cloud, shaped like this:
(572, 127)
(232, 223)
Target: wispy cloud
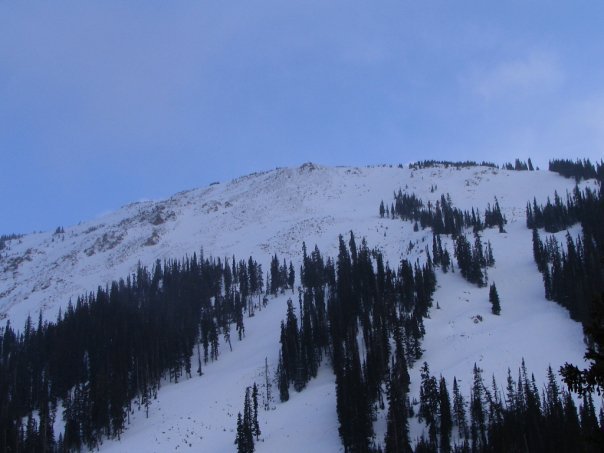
(535, 73)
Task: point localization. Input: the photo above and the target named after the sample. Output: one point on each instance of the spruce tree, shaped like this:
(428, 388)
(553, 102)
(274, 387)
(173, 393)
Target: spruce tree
(494, 299)
(255, 424)
(459, 411)
(446, 420)
(477, 411)
(282, 380)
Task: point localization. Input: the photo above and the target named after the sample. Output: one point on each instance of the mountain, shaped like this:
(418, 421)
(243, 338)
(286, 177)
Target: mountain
(274, 212)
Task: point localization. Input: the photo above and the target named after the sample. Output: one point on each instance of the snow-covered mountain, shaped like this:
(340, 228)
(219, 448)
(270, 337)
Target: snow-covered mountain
(274, 212)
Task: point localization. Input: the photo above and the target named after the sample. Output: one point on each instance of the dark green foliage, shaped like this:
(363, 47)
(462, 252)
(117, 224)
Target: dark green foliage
(247, 425)
(472, 261)
(429, 403)
(446, 418)
(518, 165)
(478, 425)
(494, 300)
(282, 380)
(580, 169)
(445, 163)
(524, 420)
(340, 302)
(255, 424)
(282, 277)
(459, 412)
(442, 217)
(397, 432)
(108, 353)
(493, 217)
(573, 277)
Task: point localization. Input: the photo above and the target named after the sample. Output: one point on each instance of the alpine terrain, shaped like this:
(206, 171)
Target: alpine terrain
(424, 307)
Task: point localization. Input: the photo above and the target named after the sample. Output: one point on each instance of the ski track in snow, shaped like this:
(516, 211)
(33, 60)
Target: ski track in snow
(273, 212)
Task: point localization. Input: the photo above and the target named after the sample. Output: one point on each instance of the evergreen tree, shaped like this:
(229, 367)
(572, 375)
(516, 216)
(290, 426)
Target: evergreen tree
(268, 386)
(428, 402)
(477, 411)
(459, 411)
(255, 424)
(446, 419)
(397, 434)
(282, 381)
(494, 300)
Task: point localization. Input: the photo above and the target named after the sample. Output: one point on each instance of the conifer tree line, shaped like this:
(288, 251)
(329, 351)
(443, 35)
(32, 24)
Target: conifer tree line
(519, 165)
(573, 276)
(517, 417)
(107, 354)
(368, 320)
(282, 277)
(446, 163)
(473, 259)
(579, 206)
(579, 169)
(571, 270)
(442, 217)
(6, 238)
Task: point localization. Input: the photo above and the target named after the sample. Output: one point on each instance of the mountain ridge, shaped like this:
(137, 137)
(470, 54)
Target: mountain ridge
(274, 212)
(147, 224)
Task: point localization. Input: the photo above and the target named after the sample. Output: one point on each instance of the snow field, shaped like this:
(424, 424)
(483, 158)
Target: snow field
(273, 212)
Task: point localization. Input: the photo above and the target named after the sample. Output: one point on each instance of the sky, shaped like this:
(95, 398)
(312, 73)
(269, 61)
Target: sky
(103, 103)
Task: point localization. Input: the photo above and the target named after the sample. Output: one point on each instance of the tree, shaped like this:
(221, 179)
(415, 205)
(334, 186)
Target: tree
(397, 431)
(268, 385)
(255, 425)
(494, 299)
(459, 411)
(477, 412)
(245, 426)
(282, 380)
(291, 278)
(592, 378)
(446, 420)
(428, 401)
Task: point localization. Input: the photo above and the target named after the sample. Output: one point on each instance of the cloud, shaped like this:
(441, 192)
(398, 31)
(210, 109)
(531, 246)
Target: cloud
(535, 73)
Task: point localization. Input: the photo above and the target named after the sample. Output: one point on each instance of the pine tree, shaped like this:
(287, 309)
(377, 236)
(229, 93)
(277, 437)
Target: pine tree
(255, 424)
(240, 438)
(282, 380)
(428, 402)
(248, 422)
(477, 412)
(494, 299)
(446, 420)
(268, 385)
(291, 277)
(459, 411)
(397, 432)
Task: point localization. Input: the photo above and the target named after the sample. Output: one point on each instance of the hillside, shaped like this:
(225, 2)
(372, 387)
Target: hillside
(275, 212)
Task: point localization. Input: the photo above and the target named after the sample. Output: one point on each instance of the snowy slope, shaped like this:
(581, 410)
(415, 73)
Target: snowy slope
(273, 212)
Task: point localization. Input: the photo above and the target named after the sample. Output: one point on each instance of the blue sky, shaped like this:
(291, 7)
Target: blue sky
(106, 102)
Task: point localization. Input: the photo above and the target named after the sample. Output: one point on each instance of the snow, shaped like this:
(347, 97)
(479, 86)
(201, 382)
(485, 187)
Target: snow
(273, 212)
(200, 413)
